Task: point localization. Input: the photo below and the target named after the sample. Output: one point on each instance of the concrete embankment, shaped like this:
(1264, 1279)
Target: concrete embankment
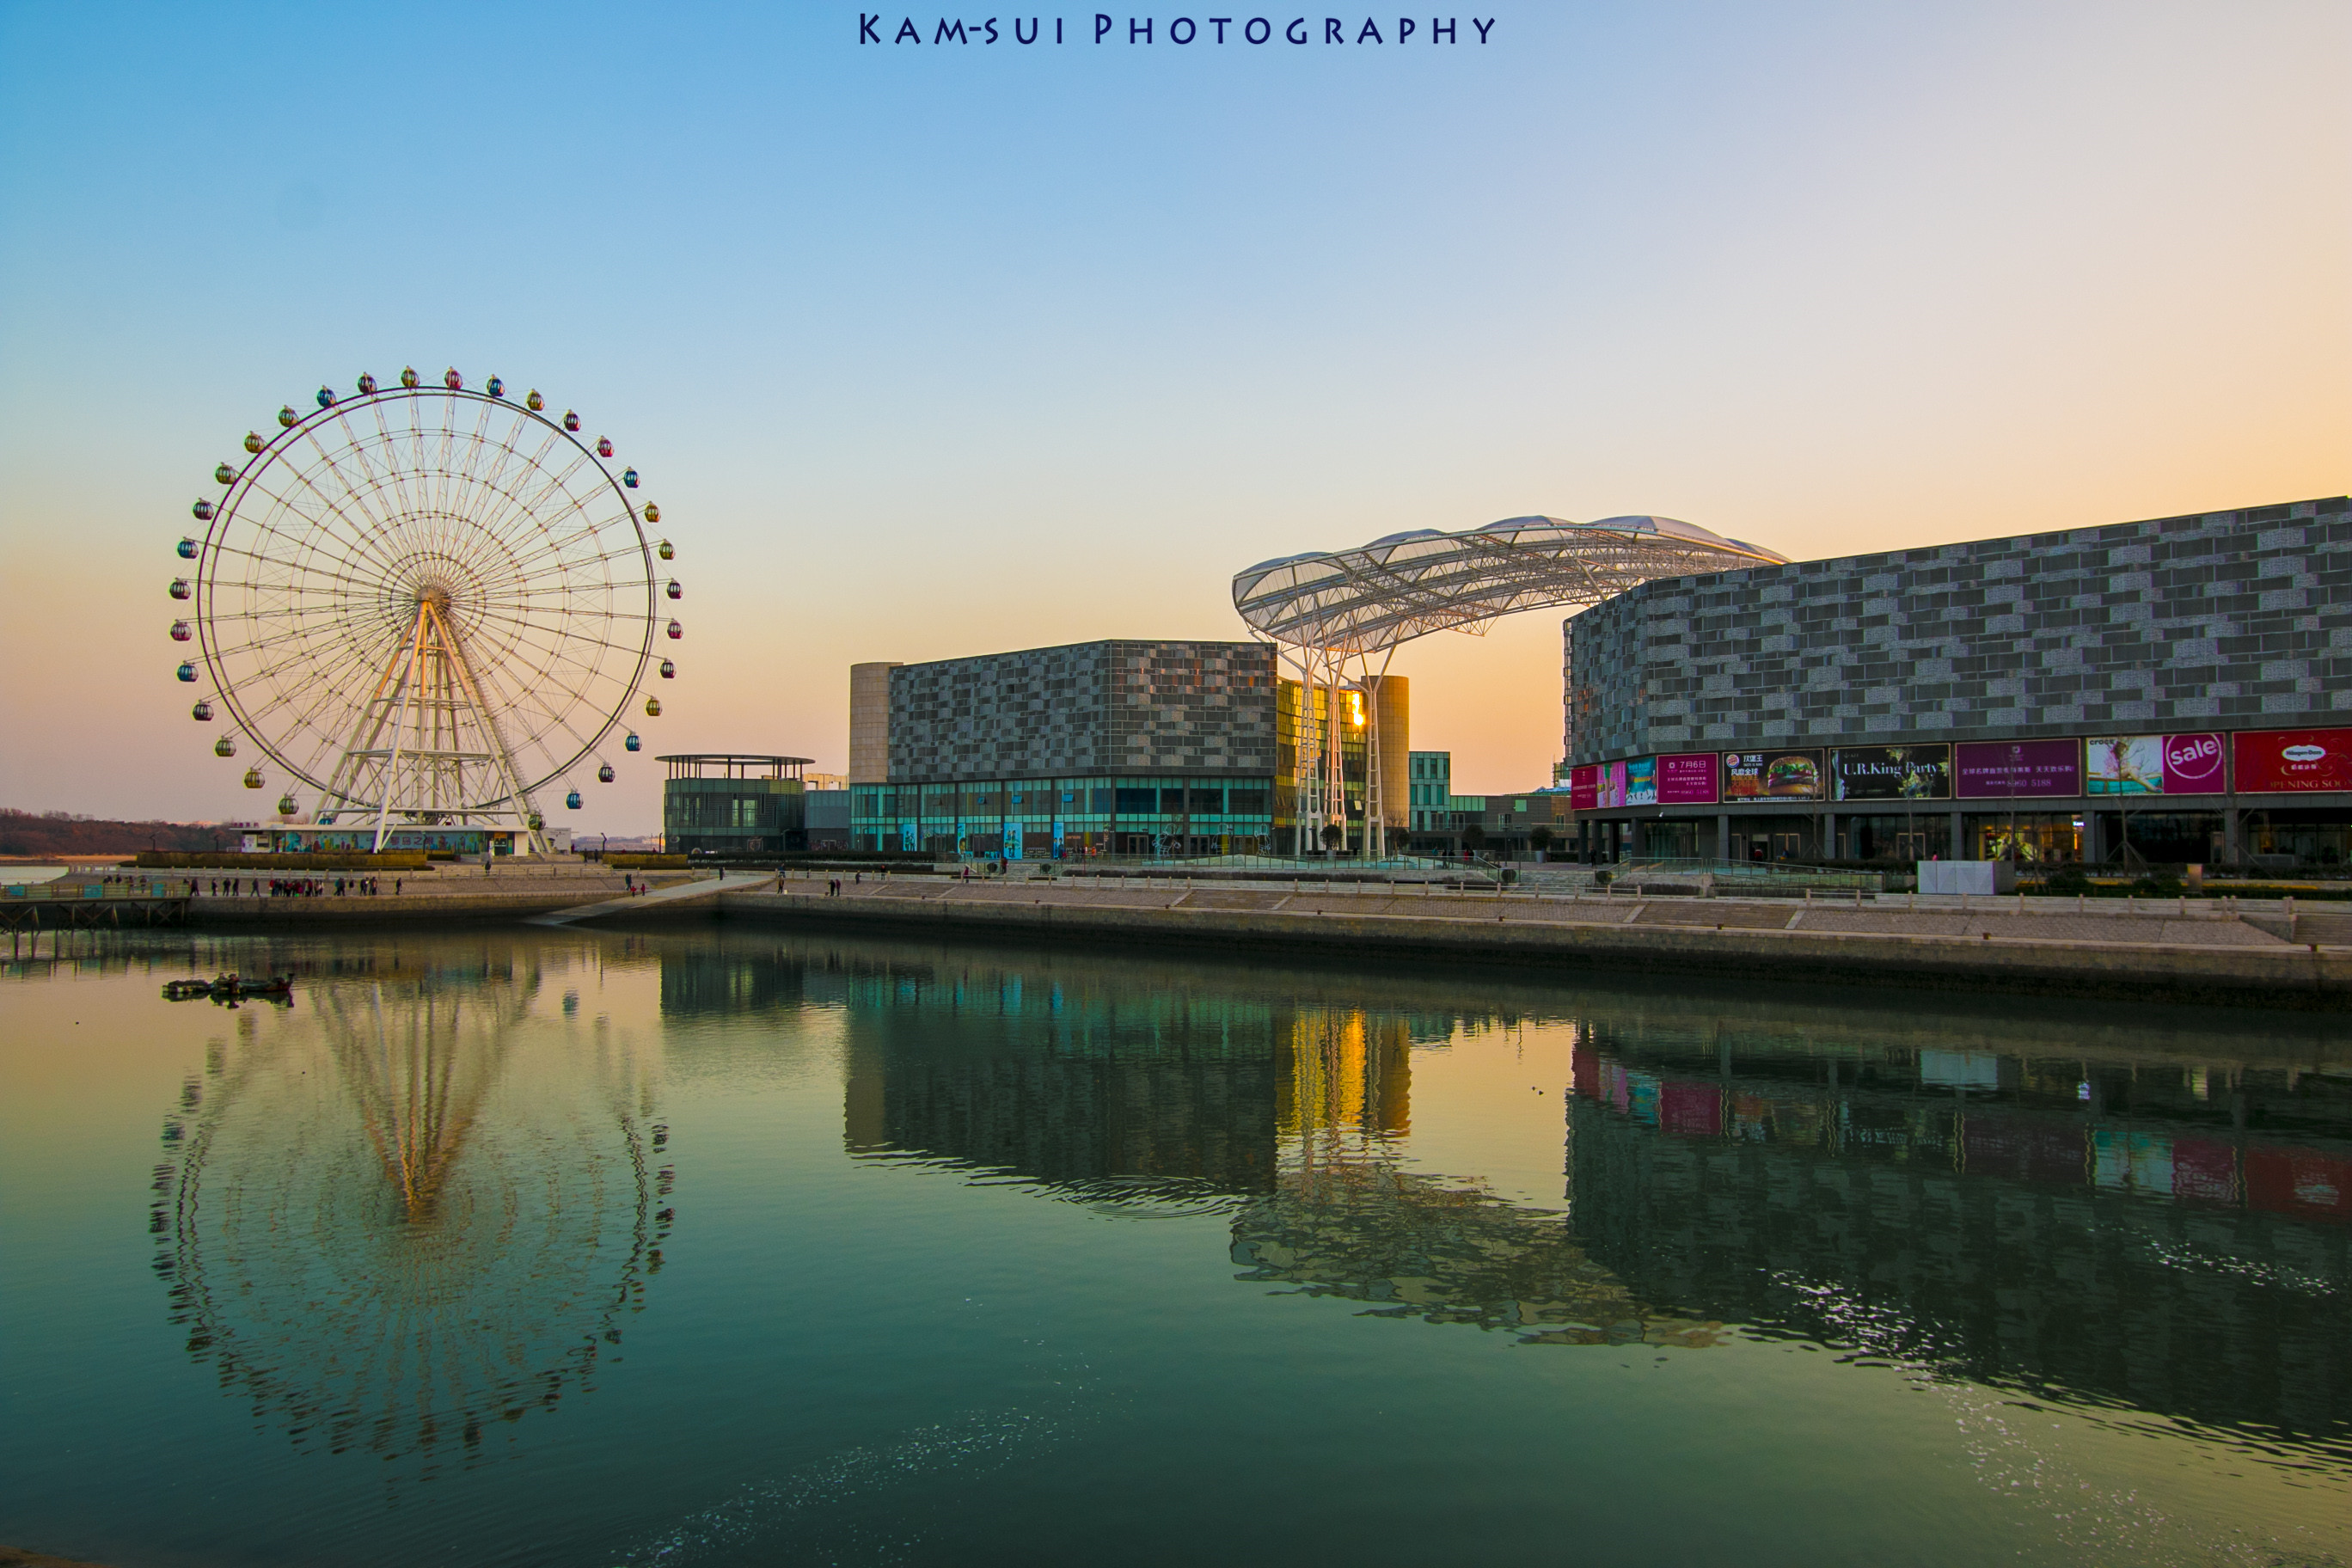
(2202, 955)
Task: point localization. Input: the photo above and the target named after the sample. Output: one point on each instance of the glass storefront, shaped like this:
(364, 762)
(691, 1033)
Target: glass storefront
(2046, 837)
(1915, 836)
(2163, 837)
(1047, 819)
(2306, 837)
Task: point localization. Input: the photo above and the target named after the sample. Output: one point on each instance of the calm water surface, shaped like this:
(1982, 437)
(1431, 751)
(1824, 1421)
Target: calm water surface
(737, 1246)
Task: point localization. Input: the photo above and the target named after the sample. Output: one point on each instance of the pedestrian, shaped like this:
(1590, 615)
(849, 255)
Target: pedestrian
(395, 886)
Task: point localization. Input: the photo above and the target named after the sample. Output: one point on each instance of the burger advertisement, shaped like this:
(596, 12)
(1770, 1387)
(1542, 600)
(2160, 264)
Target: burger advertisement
(2293, 761)
(1771, 775)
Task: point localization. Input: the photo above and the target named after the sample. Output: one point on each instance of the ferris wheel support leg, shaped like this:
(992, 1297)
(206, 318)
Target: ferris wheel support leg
(392, 763)
(456, 654)
(343, 783)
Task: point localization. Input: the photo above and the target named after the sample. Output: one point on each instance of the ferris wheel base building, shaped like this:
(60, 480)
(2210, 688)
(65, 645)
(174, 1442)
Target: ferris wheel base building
(2182, 685)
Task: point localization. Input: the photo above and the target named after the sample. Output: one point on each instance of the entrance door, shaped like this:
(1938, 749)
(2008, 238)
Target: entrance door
(1788, 845)
(1910, 847)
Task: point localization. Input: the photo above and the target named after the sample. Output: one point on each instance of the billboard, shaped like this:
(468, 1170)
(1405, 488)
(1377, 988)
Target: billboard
(1771, 775)
(2152, 764)
(2019, 770)
(1687, 779)
(1584, 787)
(2293, 761)
(1632, 781)
(1891, 773)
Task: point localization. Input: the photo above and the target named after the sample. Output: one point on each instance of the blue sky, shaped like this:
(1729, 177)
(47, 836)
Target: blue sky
(936, 350)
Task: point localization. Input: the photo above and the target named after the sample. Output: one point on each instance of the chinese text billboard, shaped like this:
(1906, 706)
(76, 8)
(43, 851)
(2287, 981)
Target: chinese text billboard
(1687, 779)
(2019, 770)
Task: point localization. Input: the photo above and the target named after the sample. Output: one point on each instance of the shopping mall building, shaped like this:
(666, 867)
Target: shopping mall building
(2182, 686)
(1114, 747)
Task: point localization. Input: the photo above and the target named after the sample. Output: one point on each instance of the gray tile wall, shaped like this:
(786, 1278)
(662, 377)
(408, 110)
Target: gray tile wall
(1113, 707)
(2231, 619)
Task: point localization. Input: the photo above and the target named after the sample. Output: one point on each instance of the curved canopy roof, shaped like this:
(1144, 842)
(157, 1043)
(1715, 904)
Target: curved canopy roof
(1410, 585)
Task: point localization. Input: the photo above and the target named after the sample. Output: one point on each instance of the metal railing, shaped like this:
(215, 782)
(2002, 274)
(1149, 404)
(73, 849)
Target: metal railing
(72, 888)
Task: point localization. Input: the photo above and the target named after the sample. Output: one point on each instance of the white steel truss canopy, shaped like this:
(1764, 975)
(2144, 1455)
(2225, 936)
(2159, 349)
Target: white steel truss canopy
(1361, 600)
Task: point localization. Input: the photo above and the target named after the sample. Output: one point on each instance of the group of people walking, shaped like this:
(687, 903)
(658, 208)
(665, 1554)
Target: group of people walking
(300, 887)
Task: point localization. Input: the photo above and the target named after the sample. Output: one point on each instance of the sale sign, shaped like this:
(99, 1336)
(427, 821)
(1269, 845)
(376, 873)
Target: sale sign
(2153, 764)
(2293, 761)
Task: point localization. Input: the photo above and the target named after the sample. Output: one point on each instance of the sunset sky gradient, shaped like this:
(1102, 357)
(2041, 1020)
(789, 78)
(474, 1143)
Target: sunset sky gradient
(935, 351)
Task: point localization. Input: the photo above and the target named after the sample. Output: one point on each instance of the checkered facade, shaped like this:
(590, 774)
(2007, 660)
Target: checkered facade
(2229, 619)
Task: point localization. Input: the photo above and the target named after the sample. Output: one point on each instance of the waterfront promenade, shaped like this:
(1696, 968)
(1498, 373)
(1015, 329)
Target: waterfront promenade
(2265, 953)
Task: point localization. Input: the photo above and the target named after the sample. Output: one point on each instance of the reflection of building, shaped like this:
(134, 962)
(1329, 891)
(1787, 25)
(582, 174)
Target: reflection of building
(2080, 689)
(1984, 1212)
(1103, 1092)
(1346, 1218)
(401, 1225)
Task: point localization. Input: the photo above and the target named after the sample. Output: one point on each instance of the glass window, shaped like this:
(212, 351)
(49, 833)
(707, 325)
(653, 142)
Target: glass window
(1171, 801)
(1102, 800)
(1245, 802)
(1208, 801)
(1136, 801)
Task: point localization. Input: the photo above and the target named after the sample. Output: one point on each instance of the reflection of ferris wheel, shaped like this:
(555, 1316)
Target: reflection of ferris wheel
(410, 1223)
(426, 602)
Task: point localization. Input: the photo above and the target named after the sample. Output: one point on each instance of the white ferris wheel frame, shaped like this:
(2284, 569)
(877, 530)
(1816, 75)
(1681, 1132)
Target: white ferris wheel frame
(416, 558)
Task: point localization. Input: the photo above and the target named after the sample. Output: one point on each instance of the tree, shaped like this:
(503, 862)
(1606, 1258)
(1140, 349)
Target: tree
(1539, 840)
(1474, 837)
(1333, 836)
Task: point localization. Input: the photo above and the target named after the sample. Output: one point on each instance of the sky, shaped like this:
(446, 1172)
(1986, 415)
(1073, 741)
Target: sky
(937, 349)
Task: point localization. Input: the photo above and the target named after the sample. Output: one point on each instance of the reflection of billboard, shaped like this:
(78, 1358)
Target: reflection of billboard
(1584, 787)
(2021, 770)
(1773, 776)
(1687, 779)
(2152, 764)
(1891, 773)
(2291, 762)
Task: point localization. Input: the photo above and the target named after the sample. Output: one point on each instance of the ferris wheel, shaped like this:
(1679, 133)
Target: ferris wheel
(426, 604)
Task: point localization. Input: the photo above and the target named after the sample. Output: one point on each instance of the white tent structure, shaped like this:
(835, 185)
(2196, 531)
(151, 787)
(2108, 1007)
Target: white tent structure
(1338, 616)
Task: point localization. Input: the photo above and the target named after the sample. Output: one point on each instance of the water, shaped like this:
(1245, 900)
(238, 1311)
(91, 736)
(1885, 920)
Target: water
(738, 1245)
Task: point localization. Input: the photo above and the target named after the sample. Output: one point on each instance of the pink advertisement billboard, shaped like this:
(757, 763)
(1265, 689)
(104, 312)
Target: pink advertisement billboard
(1687, 779)
(1584, 787)
(2021, 770)
(2153, 764)
(2293, 761)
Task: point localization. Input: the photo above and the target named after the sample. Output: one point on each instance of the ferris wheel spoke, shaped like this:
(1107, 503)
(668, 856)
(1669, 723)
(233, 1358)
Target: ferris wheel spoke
(531, 499)
(354, 454)
(358, 540)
